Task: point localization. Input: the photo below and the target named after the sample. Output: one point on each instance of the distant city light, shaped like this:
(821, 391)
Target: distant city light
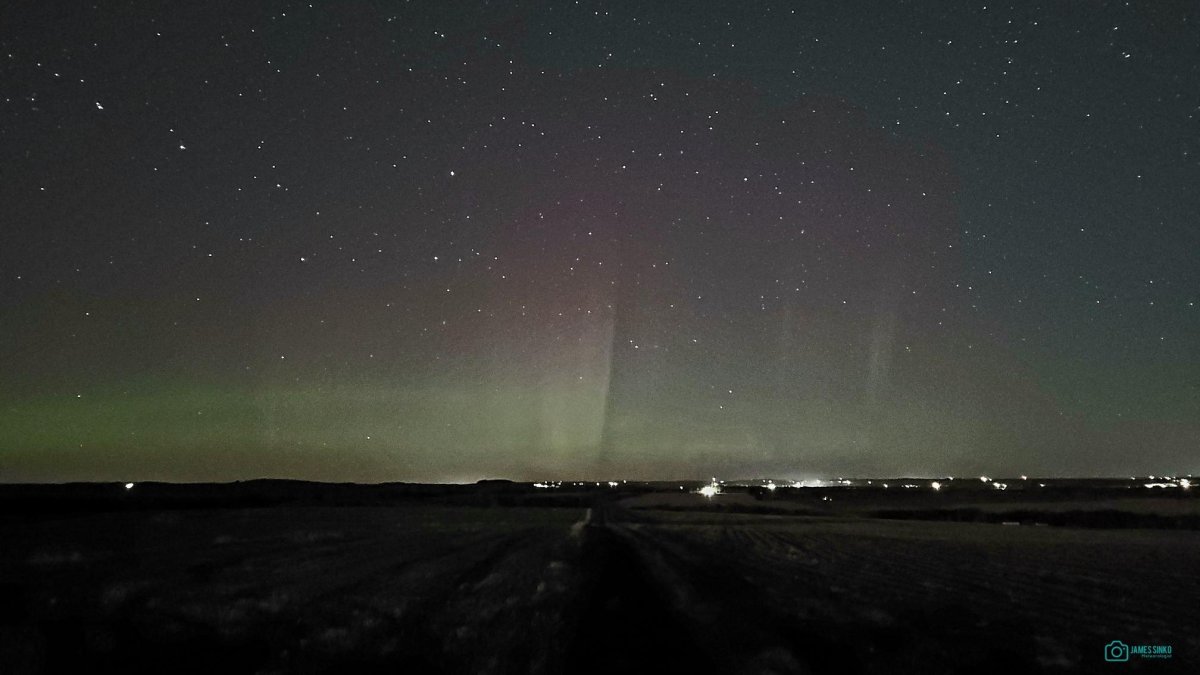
(935, 485)
(1162, 485)
(710, 491)
(1000, 486)
(984, 479)
(129, 486)
(1185, 483)
(771, 486)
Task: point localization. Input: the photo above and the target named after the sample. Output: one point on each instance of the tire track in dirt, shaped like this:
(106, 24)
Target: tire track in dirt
(625, 622)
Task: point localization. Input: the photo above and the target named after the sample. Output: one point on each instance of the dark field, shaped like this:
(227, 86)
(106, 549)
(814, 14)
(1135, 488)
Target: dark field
(547, 587)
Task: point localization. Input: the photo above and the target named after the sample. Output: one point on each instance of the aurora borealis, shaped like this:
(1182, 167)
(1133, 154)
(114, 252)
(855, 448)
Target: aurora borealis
(448, 241)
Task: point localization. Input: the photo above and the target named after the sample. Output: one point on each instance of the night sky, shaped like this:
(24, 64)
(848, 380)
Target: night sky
(443, 241)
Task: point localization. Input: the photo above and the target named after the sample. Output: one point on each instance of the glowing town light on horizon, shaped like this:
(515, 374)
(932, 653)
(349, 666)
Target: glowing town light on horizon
(984, 479)
(129, 486)
(710, 491)
(1185, 483)
(936, 486)
(771, 486)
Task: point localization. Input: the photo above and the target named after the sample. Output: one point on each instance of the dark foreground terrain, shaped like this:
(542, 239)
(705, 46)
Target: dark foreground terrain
(613, 584)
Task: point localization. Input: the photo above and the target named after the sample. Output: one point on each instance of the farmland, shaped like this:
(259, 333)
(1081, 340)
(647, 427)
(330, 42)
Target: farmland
(619, 583)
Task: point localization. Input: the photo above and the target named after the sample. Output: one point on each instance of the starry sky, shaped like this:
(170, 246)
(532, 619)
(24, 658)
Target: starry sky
(443, 241)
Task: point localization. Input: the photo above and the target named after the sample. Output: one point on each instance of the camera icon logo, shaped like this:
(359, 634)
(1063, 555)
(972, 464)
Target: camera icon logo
(1116, 651)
